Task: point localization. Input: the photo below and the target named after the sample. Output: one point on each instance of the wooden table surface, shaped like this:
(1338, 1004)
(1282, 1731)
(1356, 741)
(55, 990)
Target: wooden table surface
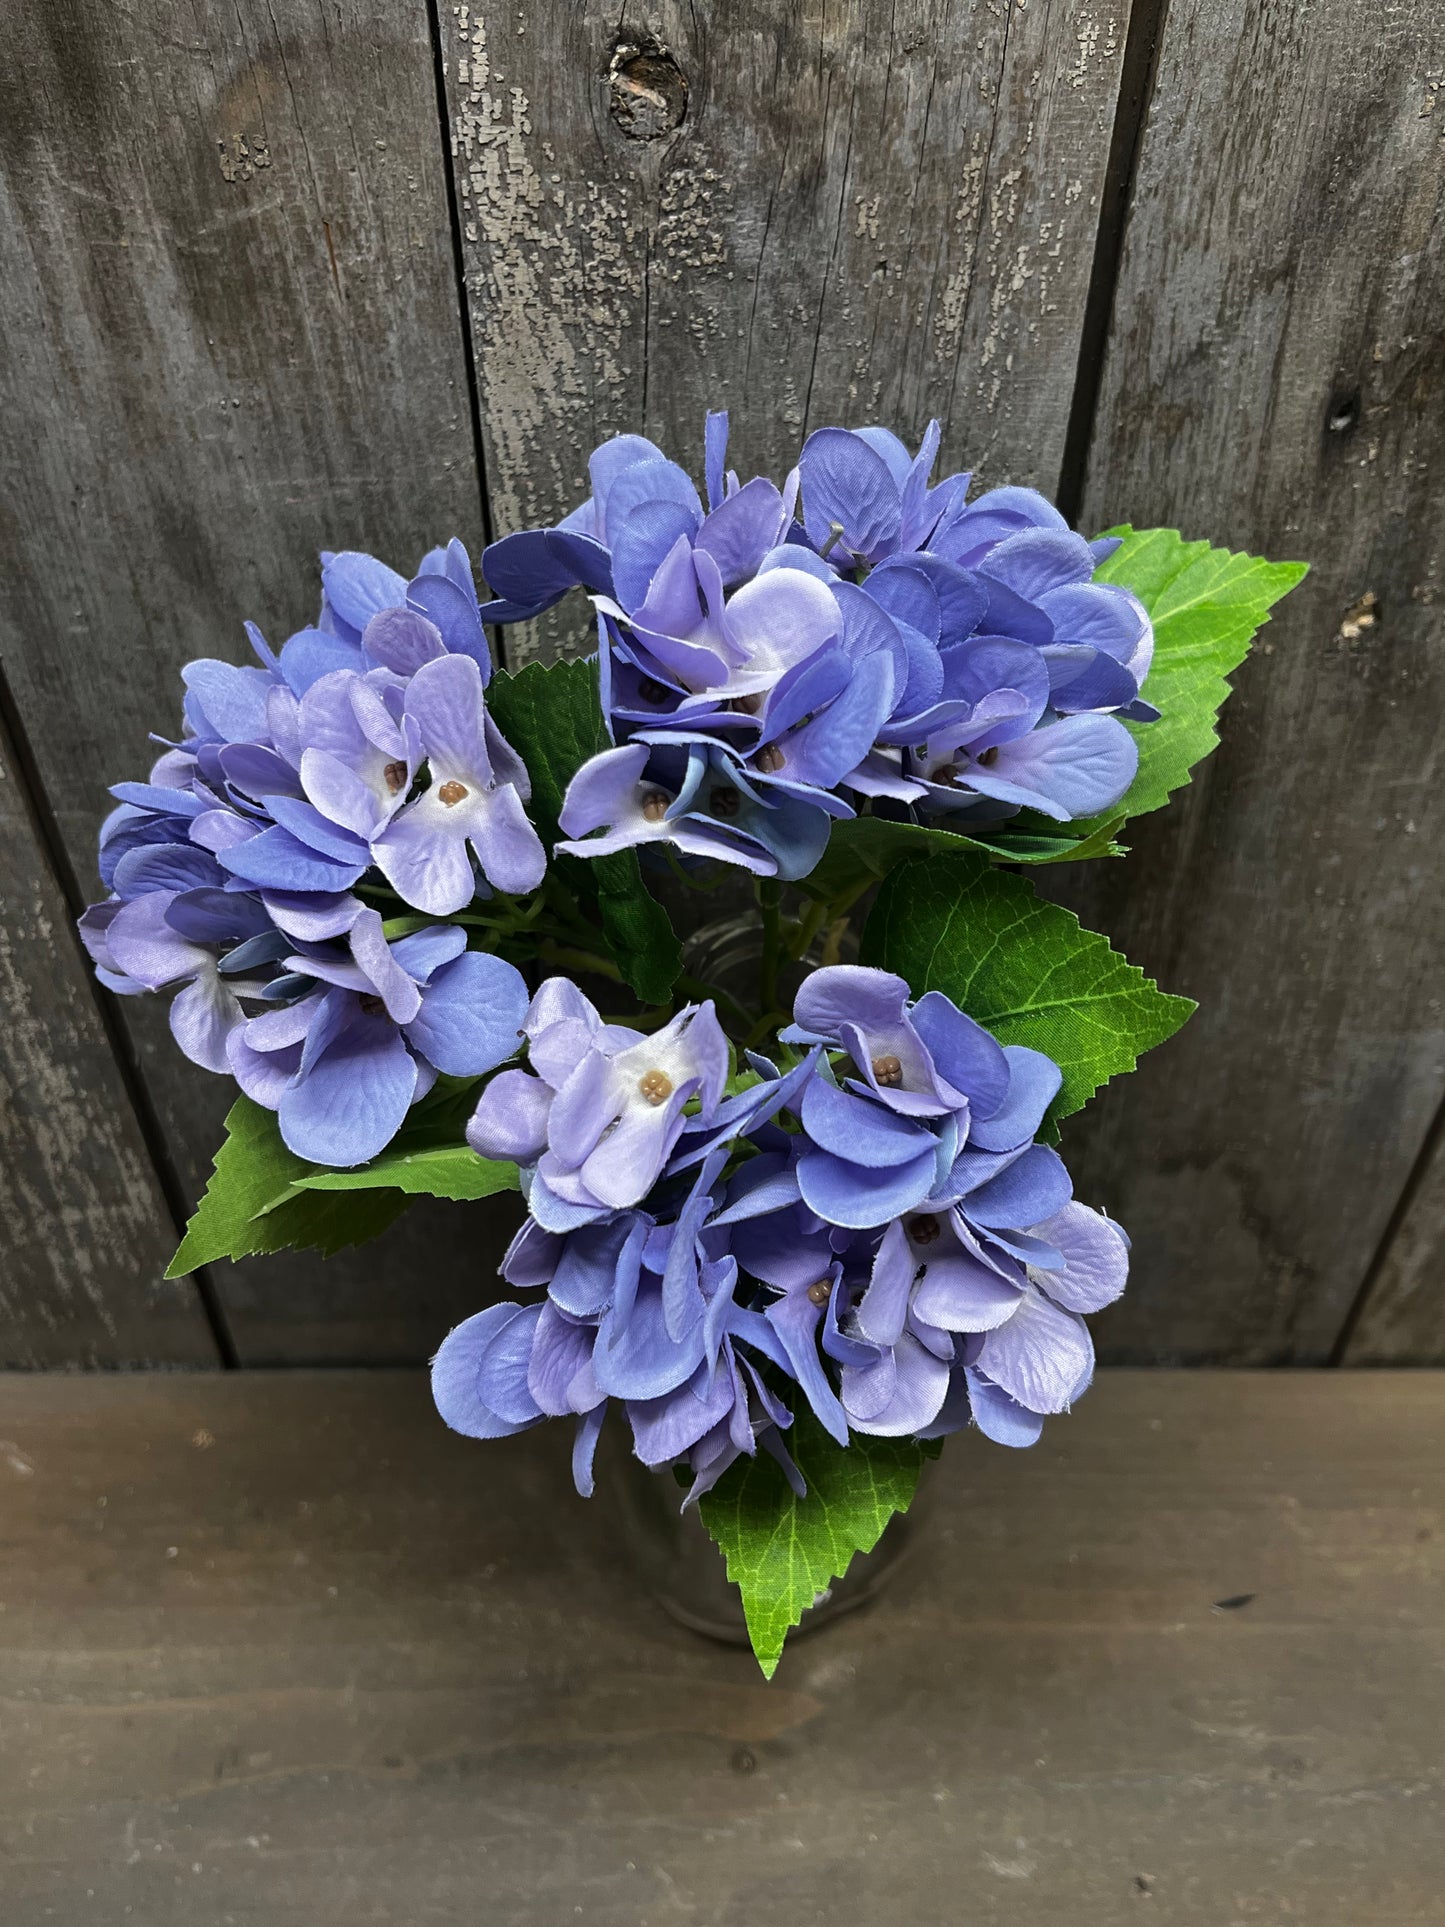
(279, 1651)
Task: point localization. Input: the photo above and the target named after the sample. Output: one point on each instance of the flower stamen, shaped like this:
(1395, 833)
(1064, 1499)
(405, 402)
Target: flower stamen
(395, 774)
(888, 1070)
(925, 1230)
(452, 793)
(820, 1293)
(655, 805)
(655, 1086)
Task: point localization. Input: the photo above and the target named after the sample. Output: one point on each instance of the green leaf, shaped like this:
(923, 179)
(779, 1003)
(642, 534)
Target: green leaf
(249, 1206)
(1207, 605)
(637, 930)
(551, 714)
(782, 1551)
(1026, 970)
(447, 1172)
(863, 849)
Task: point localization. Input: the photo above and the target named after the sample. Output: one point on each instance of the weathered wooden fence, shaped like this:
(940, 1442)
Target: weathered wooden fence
(308, 273)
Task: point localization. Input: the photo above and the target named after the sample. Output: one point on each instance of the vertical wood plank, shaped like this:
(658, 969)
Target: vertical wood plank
(228, 296)
(1276, 380)
(85, 1230)
(1402, 1319)
(863, 211)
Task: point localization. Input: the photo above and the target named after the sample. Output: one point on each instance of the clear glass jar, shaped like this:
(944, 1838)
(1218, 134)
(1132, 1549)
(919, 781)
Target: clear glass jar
(682, 1568)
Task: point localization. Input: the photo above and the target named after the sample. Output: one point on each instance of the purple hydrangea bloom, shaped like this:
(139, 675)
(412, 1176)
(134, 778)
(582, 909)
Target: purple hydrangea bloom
(600, 1109)
(358, 755)
(362, 1026)
(874, 1230)
(857, 634)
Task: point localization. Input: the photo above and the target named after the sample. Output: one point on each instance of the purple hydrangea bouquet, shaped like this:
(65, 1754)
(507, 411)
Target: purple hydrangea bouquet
(792, 1221)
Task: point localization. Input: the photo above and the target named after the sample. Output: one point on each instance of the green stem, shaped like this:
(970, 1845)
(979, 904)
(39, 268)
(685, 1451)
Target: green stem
(585, 960)
(769, 892)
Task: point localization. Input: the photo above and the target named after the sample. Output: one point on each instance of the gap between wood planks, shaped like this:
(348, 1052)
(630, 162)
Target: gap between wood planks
(1142, 42)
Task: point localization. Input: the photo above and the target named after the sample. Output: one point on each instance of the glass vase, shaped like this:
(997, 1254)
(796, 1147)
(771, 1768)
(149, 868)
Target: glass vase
(681, 1567)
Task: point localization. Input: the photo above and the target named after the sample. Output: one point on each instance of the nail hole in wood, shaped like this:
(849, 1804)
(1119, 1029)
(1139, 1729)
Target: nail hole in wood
(647, 88)
(1343, 413)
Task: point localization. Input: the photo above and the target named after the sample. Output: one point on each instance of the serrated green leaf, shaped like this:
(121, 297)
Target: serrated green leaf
(451, 1171)
(1025, 969)
(782, 1551)
(249, 1207)
(551, 714)
(1207, 605)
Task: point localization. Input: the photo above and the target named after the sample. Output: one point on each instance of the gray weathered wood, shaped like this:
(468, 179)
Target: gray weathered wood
(232, 334)
(82, 1221)
(866, 212)
(282, 1650)
(1402, 1320)
(1276, 381)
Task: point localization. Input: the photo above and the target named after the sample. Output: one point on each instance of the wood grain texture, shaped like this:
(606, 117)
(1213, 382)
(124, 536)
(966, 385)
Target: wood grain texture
(282, 1650)
(1402, 1319)
(1276, 382)
(867, 211)
(228, 298)
(84, 1227)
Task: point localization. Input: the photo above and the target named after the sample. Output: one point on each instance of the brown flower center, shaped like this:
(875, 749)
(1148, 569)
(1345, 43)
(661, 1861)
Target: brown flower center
(655, 1086)
(820, 1293)
(655, 806)
(395, 774)
(725, 801)
(888, 1070)
(945, 773)
(651, 690)
(924, 1231)
(988, 759)
(769, 758)
(746, 705)
(373, 1006)
(452, 793)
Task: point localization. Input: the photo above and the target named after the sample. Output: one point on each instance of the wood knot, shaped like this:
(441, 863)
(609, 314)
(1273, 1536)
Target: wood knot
(647, 88)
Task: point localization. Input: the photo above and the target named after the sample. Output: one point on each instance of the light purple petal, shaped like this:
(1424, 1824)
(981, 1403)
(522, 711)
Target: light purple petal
(998, 1416)
(351, 1103)
(1096, 1258)
(471, 1015)
(920, 1384)
(455, 1371)
(1040, 1355)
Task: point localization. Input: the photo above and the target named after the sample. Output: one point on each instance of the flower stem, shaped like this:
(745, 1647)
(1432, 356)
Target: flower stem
(585, 960)
(769, 892)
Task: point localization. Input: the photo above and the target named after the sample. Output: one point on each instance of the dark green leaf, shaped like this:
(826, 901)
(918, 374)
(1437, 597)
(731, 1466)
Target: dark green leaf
(637, 930)
(782, 1551)
(552, 716)
(1027, 970)
(863, 849)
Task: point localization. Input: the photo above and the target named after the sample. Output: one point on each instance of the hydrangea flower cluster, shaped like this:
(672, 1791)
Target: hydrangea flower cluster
(779, 658)
(358, 764)
(874, 1229)
(788, 1270)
